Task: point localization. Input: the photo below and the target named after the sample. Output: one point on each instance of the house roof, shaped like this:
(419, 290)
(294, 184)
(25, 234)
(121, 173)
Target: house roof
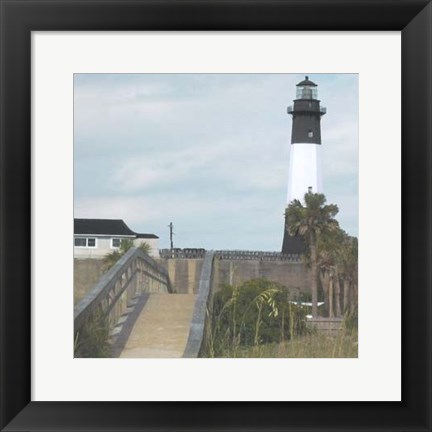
(116, 227)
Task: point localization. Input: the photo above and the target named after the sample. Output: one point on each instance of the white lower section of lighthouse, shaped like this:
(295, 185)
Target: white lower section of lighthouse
(304, 170)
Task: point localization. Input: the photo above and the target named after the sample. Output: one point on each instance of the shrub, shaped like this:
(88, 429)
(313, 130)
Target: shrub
(111, 258)
(257, 312)
(145, 247)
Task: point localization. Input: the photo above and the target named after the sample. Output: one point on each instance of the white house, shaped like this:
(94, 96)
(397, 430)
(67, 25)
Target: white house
(94, 238)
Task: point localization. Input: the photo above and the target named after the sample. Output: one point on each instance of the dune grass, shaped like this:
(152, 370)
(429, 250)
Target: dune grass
(314, 345)
(92, 341)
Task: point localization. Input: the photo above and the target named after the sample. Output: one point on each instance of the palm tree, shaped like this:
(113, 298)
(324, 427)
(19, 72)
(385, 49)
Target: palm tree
(309, 222)
(341, 245)
(337, 261)
(111, 258)
(326, 266)
(349, 270)
(327, 244)
(145, 247)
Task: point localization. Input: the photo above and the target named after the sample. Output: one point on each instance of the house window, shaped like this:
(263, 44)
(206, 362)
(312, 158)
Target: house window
(80, 242)
(85, 242)
(115, 243)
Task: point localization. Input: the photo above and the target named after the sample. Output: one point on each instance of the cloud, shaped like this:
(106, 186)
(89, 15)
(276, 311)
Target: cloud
(208, 152)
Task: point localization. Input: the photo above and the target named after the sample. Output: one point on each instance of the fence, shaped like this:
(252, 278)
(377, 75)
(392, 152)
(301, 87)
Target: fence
(134, 273)
(191, 253)
(229, 255)
(256, 255)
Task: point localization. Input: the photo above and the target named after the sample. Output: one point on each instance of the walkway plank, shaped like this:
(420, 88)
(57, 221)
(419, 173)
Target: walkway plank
(162, 328)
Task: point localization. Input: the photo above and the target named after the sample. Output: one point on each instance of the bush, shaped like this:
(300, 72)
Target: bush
(257, 312)
(145, 247)
(111, 258)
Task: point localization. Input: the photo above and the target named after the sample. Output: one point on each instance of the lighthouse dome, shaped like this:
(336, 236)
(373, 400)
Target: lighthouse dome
(306, 82)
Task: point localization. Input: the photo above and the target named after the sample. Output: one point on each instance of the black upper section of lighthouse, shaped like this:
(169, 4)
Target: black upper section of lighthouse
(306, 113)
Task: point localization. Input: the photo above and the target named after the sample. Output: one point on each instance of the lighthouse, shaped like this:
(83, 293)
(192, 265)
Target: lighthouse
(304, 173)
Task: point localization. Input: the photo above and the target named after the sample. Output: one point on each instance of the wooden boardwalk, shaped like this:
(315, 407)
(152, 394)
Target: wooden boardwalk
(159, 329)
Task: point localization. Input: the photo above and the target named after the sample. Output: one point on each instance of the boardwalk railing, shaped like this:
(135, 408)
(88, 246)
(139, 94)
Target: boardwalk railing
(199, 318)
(134, 273)
(192, 253)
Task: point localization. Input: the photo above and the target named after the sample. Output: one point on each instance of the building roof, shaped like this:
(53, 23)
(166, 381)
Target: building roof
(138, 235)
(306, 82)
(113, 227)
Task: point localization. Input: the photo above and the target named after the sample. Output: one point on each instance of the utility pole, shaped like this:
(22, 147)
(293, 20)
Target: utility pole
(171, 226)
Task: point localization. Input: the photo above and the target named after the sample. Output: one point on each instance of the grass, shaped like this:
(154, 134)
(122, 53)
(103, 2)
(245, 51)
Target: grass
(259, 320)
(92, 339)
(313, 345)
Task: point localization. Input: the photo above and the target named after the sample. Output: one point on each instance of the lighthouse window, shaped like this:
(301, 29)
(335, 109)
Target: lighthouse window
(310, 134)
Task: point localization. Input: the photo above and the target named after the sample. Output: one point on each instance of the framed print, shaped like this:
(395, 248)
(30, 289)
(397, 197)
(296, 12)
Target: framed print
(209, 76)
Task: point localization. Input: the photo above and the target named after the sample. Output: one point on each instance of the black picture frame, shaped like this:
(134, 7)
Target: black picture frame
(19, 18)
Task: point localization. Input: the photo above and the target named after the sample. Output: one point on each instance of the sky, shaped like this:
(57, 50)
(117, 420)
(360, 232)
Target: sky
(208, 152)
